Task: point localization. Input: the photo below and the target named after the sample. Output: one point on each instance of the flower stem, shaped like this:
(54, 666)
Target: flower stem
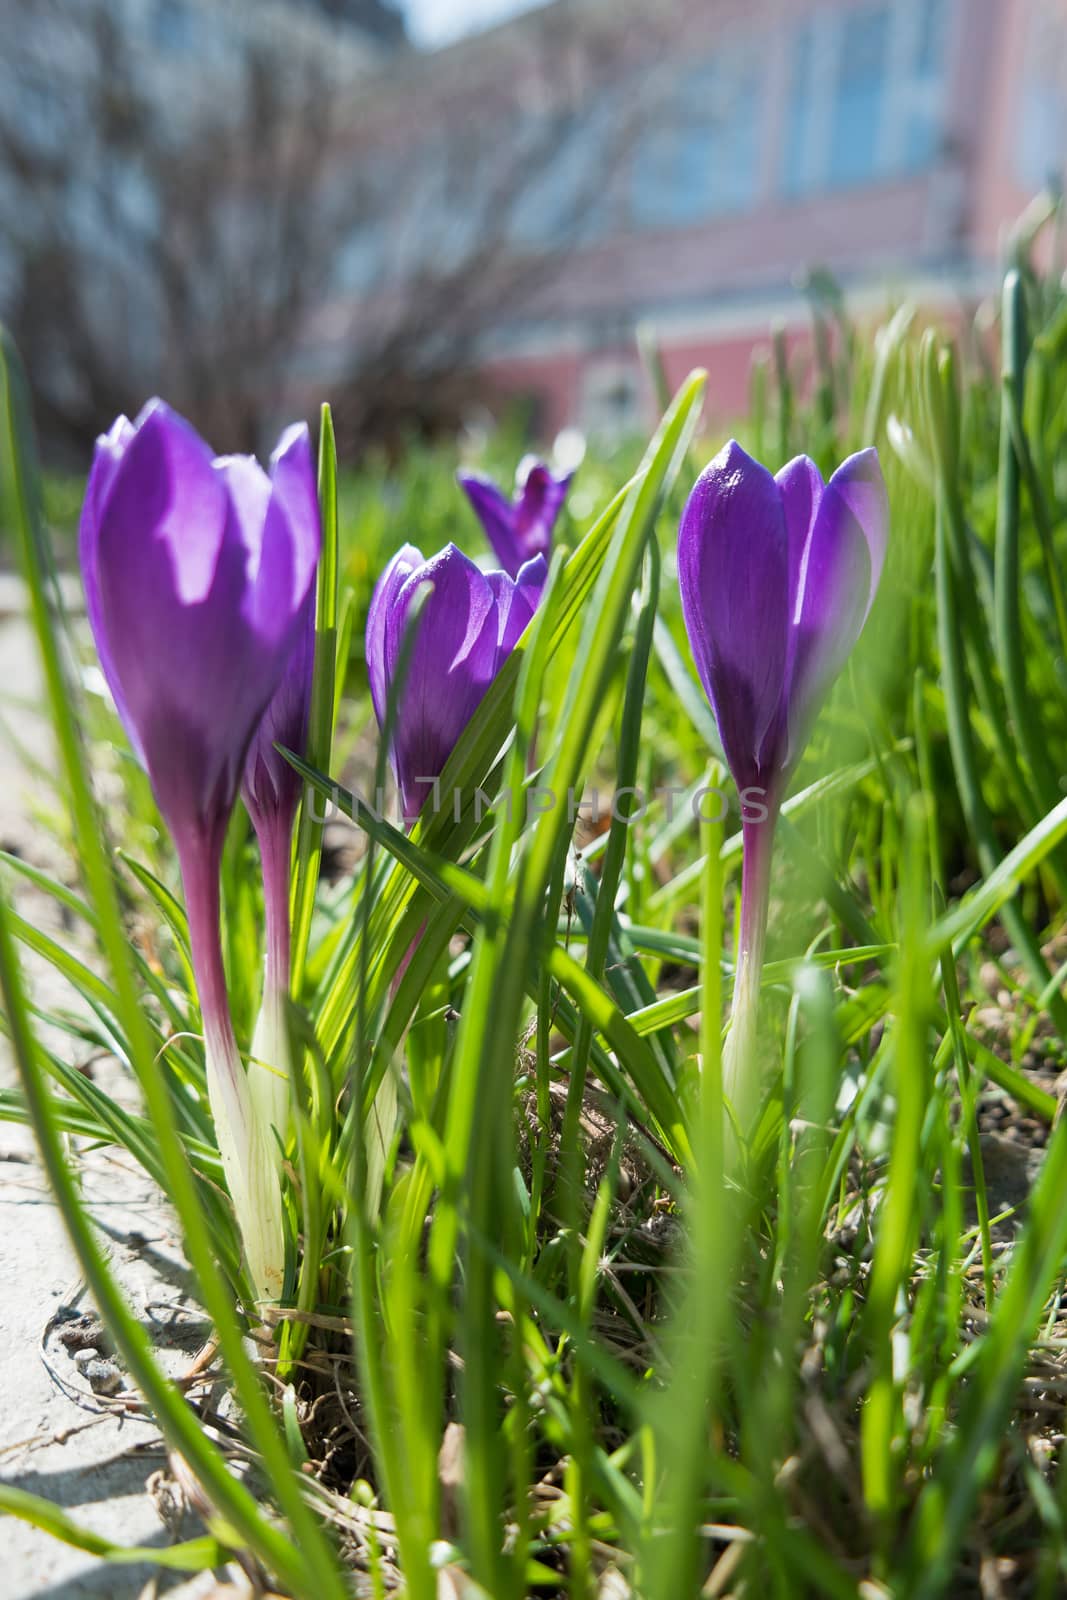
(740, 1071)
(275, 848)
(250, 1171)
(270, 1070)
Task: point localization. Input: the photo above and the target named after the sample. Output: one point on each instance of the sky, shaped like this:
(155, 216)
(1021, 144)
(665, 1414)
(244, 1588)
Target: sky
(433, 22)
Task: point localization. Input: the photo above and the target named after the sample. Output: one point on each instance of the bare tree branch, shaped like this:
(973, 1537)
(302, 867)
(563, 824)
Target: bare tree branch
(195, 248)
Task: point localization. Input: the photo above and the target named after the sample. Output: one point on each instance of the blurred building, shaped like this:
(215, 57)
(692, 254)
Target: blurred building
(701, 158)
(252, 205)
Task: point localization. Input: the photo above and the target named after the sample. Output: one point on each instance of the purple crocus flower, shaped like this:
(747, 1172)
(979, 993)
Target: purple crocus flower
(777, 577)
(520, 528)
(196, 572)
(468, 626)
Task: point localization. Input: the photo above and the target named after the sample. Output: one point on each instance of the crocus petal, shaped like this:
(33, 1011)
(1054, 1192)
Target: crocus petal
(733, 574)
(161, 641)
(839, 573)
(382, 604)
(516, 603)
(288, 551)
(295, 491)
(168, 468)
(860, 484)
(801, 488)
(282, 534)
(109, 451)
(497, 517)
(538, 504)
(248, 488)
(270, 786)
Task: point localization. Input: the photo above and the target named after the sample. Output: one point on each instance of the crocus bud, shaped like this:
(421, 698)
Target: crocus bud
(777, 576)
(468, 626)
(197, 572)
(520, 528)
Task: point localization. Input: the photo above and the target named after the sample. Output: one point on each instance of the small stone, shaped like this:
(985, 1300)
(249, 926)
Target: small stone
(104, 1377)
(84, 1359)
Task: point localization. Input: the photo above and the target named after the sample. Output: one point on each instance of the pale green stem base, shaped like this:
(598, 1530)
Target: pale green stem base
(740, 1066)
(270, 1070)
(249, 1162)
(251, 1172)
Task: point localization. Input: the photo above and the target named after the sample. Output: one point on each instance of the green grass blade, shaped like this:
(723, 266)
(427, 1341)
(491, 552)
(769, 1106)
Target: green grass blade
(323, 702)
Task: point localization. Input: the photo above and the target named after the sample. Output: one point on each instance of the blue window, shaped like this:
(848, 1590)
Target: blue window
(930, 47)
(564, 195)
(173, 25)
(859, 103)
(923, 112)
(866, 95)
(1040, 152)
(700, 155)
(799, 155)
